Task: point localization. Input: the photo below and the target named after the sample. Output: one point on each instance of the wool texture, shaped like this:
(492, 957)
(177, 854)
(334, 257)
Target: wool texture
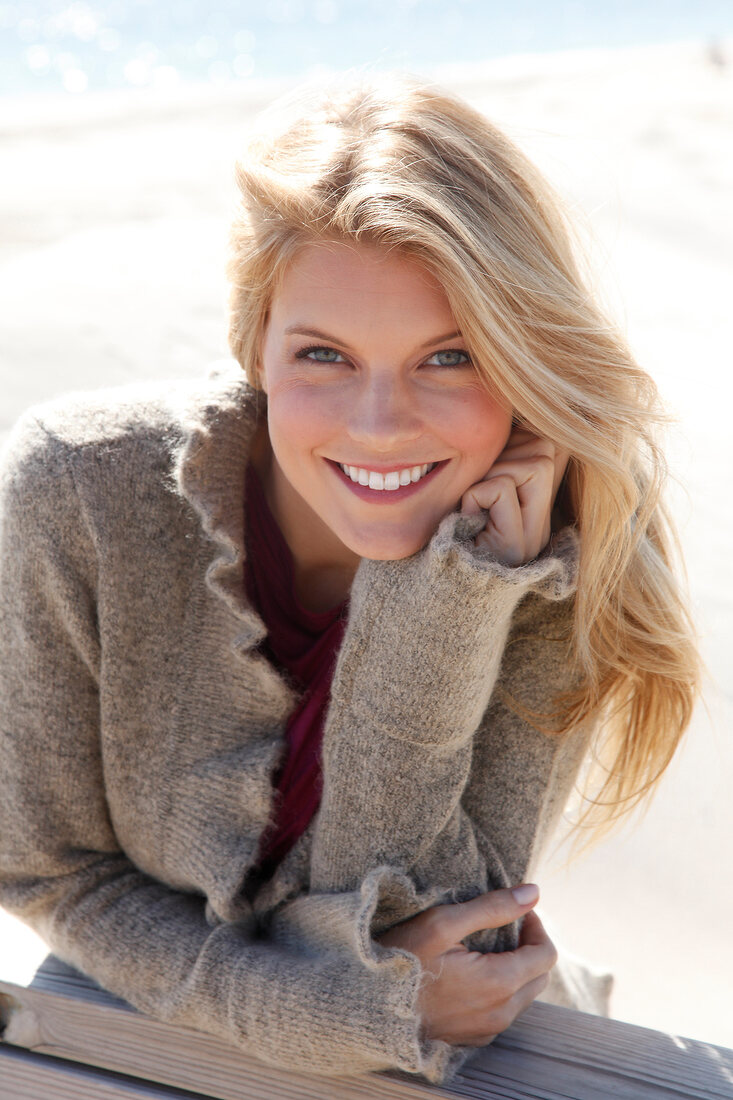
(140, 728)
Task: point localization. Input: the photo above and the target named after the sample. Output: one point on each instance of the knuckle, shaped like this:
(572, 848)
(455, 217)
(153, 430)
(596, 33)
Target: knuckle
(505, 981)
(541, 983)
(501, 481)
(545, 466)
(507, 482)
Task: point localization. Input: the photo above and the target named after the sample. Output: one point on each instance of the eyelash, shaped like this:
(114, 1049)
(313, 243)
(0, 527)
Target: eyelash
(303, 353)
(457, 351)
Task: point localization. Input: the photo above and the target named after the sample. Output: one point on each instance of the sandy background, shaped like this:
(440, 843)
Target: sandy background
(113, 220)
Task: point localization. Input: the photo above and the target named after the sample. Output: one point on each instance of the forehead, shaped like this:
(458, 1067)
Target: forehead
(349, 278)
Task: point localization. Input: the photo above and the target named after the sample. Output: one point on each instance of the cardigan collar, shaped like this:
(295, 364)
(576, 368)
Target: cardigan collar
(219, 422)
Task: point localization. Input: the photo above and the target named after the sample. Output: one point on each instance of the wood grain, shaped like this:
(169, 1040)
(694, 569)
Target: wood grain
(25, 1076)
(549, 1054)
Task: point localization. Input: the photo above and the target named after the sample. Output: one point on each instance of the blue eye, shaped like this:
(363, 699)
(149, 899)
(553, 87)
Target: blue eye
(320, 355)
(451, 357)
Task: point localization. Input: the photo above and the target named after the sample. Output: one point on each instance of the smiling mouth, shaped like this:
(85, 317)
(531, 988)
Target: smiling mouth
(389, 482)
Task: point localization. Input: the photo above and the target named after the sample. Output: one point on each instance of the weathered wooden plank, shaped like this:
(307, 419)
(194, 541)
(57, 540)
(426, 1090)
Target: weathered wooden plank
(25, 1076)
(94, 1029)
(550, 1053)
(550, 1047)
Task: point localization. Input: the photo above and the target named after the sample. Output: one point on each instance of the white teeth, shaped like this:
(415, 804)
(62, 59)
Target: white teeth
(391, 481)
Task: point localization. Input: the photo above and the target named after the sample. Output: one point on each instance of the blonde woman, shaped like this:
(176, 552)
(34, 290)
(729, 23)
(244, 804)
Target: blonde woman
(300, 664)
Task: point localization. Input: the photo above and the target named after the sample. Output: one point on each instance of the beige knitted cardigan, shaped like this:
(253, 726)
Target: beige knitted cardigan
(139, 728)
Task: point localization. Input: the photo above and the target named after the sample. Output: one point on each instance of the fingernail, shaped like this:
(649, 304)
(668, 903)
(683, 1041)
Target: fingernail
(525, 895)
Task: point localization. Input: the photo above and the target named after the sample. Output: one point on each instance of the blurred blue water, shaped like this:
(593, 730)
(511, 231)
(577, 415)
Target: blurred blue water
(54, 45)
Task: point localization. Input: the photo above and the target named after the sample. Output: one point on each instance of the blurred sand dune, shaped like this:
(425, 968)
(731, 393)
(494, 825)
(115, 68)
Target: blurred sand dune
(113, 226)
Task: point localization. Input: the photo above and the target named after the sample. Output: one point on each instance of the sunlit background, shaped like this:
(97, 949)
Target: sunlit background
(53, 47)
(119, 125)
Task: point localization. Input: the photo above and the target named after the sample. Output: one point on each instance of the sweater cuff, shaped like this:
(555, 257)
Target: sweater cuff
(552, 574)
(426, 634)
(376, 1025)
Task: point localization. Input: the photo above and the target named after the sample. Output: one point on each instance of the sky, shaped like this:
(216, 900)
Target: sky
(53, 46)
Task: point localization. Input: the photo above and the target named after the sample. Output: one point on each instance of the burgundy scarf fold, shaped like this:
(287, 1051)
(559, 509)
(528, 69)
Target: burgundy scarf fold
(305, 645)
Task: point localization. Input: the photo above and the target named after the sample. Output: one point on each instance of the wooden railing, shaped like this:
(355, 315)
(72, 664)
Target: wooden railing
(63, 1039)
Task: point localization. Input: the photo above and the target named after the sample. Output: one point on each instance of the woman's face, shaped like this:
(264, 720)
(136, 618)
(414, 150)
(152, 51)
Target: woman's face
(377, 420)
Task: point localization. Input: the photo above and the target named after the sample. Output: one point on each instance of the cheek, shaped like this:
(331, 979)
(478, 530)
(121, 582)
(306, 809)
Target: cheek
(300, 419)
(481, 428)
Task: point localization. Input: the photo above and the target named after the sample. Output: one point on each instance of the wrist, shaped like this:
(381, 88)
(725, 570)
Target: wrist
(426, 634)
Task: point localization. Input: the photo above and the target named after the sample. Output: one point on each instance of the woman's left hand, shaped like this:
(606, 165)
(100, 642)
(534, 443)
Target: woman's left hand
(518, 492)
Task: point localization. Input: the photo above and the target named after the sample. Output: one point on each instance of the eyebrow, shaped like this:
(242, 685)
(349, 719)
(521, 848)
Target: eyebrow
(299, 329)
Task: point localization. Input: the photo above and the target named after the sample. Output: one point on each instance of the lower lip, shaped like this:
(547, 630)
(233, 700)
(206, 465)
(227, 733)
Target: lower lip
(386, 496)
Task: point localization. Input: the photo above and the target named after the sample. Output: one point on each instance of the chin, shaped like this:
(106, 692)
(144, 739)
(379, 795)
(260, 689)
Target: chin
(390, 549)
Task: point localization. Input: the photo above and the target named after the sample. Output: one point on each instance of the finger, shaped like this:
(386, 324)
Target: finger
(527, 473)
(524, 997)
(533, 936)
(526, 963)
(499, 1019)
(524, 444)
(499, 491)
(509, 971)
(504, 532)
(492, 910)
(533, 478)
(484, 494)
(533, 931)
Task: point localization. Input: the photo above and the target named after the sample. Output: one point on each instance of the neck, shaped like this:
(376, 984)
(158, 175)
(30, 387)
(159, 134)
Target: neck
(324, 568)
(320, 589)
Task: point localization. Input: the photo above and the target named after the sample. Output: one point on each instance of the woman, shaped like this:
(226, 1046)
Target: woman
(297, 674)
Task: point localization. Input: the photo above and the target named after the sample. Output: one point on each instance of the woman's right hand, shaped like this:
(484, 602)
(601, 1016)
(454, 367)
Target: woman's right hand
(467, 997)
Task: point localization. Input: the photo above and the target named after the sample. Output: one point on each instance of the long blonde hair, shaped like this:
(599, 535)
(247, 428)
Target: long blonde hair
(403, 164)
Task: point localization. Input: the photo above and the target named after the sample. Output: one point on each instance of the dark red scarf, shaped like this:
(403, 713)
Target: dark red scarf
(305, 645)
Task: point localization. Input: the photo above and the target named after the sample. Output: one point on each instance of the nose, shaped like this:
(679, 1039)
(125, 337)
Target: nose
(385, 413)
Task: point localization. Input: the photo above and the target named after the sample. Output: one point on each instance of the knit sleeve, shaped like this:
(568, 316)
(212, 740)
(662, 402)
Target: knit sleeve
(452, 790)
(62, 870)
